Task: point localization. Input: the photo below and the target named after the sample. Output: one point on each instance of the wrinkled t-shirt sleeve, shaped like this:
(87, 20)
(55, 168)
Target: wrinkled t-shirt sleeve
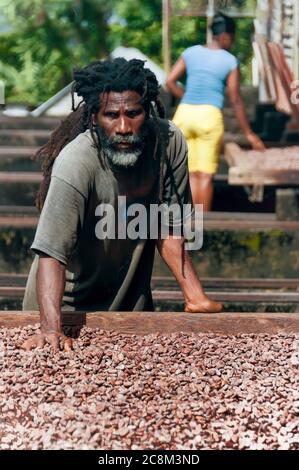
(176, 189)
(60, 221)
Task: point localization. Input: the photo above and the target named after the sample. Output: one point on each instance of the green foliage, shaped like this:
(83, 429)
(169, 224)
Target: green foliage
(48, 38)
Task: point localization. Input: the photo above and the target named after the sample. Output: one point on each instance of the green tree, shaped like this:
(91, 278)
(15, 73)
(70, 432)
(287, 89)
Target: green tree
(140, 25)
(48, 38)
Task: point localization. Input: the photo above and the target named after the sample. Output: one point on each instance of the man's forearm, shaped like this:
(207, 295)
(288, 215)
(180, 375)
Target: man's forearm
(50, 290)
(177, 258)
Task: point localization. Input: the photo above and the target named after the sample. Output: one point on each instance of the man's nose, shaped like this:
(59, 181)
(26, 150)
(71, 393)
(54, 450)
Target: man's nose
(124, 126)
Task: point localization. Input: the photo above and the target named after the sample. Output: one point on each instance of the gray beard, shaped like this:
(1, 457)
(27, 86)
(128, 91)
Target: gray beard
(123, 158)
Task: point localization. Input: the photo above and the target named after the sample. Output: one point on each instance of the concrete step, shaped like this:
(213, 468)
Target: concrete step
(177, 296)
(21, 211)
(18, 159)
(19, 188)
(239, 248)
(213, 221)
(163, 283)
(46, 123)
(24, 137)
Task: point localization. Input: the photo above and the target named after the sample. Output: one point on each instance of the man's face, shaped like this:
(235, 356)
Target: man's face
(121, 126)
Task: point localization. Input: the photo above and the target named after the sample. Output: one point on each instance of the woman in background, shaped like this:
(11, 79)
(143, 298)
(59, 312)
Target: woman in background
(210, 69)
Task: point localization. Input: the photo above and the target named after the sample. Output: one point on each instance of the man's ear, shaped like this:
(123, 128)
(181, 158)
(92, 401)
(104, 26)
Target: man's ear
(94, 120)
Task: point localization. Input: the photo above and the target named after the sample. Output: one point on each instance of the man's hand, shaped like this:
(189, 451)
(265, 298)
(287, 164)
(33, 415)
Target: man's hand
(255, 142)
(50, 288)
(57, 340)
(203, 306)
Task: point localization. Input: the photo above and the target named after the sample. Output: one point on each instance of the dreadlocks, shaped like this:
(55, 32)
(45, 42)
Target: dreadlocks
(90, 83)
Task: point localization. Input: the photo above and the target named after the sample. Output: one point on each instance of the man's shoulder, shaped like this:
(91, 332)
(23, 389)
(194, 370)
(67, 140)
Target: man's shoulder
(172, 139)
(79, 153)
(78, 148)
(169, 129)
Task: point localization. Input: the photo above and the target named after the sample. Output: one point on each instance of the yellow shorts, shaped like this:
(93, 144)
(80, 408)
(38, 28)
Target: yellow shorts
(202, 127)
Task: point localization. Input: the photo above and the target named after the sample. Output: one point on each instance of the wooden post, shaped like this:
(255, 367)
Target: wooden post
(210, 14)
(166, 35)
(296, 38)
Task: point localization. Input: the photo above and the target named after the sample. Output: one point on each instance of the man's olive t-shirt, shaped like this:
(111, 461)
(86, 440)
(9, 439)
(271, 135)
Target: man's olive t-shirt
(106, 274)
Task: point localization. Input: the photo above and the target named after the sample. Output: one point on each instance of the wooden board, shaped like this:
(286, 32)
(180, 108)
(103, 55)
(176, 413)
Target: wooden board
(249, 224)
(174, 294)
(19, 280)
(230, 283)
(141, 323)
(233, 153)
(252, 176)
(243, 169)
(232, 296)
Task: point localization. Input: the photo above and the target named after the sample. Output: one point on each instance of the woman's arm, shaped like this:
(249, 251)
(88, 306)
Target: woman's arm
(177, 71)
(233, 89)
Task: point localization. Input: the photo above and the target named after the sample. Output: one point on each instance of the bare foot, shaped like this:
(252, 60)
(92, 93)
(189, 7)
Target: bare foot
(204, 306)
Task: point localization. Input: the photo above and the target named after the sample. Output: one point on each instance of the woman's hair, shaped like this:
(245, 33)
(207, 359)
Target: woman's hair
(222, 24)
(90, 83)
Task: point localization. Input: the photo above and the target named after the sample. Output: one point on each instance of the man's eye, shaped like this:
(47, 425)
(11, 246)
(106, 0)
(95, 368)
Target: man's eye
(111, 115)
(133, 114)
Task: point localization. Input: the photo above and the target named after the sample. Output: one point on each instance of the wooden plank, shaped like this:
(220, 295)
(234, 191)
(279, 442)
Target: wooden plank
(142, 323)
(222, 283)
(254, 225)
(231, 225)
(13, 279)
(254, 216)
(175, 295)
(233, 153)
(225, 296)
(159, 282)
(259, 176)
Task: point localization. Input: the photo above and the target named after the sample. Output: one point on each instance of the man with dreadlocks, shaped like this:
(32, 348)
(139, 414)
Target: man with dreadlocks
(112, 145)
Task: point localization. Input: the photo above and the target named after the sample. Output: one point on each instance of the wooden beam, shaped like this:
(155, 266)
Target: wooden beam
(252, 224)
(240, 175)
(165, 282)
(229, 283)
(172, 293)
(166, 41)
(175, 295)
(233, 153)
(142, 323)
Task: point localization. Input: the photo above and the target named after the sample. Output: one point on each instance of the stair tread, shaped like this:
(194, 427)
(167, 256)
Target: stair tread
(20, 177)
(14, 150)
